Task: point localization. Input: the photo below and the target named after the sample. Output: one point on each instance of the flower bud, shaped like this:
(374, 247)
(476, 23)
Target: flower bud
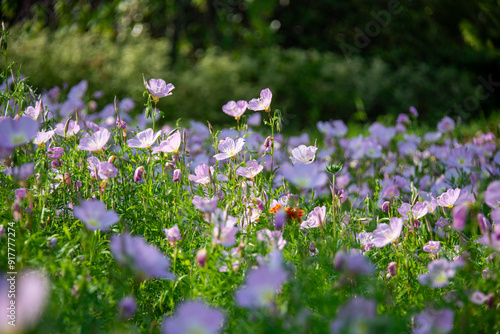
(139, 171)
(177, 175)
(393, 269)
(385, 206)
(201, 257)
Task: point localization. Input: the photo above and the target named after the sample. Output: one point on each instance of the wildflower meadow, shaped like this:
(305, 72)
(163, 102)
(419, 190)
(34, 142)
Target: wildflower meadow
(112, 222)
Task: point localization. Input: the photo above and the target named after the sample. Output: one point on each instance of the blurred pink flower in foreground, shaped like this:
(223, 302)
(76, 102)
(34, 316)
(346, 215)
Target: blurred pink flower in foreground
(432, 321)
(385, 234)
(304, 176)
(194, 317)
(14, 133)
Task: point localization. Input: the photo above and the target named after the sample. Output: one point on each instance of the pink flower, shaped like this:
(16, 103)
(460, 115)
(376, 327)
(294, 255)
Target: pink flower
(72, 129)
(55, 152)
(171, 144)
(274, 239)
(32, 291)
(433, 321)
(202, 175)
(33, 113)
(176, 177)
(251, 170)
(159, 88)
(448, 198)
(144, 139)
(235, 109)
(205, 204)
(432, 247)
(440, 271)
(262, 284)
(385, 234)
(492, 195)
(173, 235)
(262, 103)
(446, 125)
(229, 148)
(95, 142)
(138, 173)
(145, 259)
(304, 154)
(224, 231)
(14, 133)
(304, 176)
(316, 218)
(94, 215)
(43, 137)
(106, 170)
(194, 317)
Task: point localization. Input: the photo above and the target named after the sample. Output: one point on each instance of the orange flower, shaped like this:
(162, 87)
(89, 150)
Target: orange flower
(275, 208)
(295, 213)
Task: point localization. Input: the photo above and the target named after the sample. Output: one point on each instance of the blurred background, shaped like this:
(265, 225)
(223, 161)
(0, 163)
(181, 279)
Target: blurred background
(357, 60)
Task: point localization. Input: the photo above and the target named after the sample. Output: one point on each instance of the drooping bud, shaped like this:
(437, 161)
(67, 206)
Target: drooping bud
(201, 257)
(139, 172)
(177, 175)
(393, 269)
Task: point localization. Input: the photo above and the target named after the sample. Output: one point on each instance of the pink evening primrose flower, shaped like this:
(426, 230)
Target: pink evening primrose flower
(251, 170)
(106, 170)
(43, 137)
(446, 125)
(205, 204)
(95, 142)
(262, 103)
(173, 235)
(262, 284)
(144, 139)
(432, 247)
(385, 234)
(316, 218)
(224, 231)
(448, 198)
(169, 145)
(94, 215)
(235, 109)
(229, 148)
(72, 129)
(14, 133)
(144, 259)
(33, 113)
(304, 176)
(194, 317)
(492, 195)
(440, 271)
(159, 88)
(433, 321)
(304, 154)
(202, 175)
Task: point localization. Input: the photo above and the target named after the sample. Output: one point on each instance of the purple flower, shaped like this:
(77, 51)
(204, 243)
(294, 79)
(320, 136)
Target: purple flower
(72, 129)
(22, 172)
(492, 195)
(315, 218)
(55, 152)
(393, 269)
(127, 307)
(95, 142)
(403, 118)
(448, 198)
(173, 235)
(171, 144)
(484, 223)
(262, 284)
(94, 215)
(224, 231)
(432, 321)
(138, 173)
(385, 234)
(459, 214)
(353, 263)
(304, 176)
(202, 175)
(274, 239)
(33, 113)
(492, 239)
(446, 125)
(235, 109)
(440, 271)
(194, 317)
(251, 170)
(177, 175)
(229, 148)
(355, 314)
(205, 204)
(304, 154)
(145, 259)
(432, 247)
(106, 170)
(14, 133)
(159, 88)
(366, 240)
(144, 139)
(92, 167)
(262, 103)
(43, 137)
(477, 297)
(31, 294)
(460, 157)
(413, 111)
